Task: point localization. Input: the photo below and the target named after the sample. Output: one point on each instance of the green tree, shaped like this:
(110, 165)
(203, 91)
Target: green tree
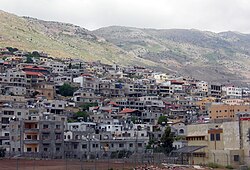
(82, 114)
(70, 66)
(29, 59)
(66, 90)
(167, 140)
(2, 152)
(162, 119)
(35, 54)
(12, 50)
(86, 106)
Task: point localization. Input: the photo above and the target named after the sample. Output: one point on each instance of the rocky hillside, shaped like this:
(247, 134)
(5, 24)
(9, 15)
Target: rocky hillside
(61, 40)
(223, 57)
(205, 55)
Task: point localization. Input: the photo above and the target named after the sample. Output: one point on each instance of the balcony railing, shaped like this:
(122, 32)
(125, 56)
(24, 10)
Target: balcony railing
(31, 130)
(31, 141)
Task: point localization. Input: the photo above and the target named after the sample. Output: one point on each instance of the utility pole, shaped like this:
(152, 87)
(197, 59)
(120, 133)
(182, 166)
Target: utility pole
(17, 165)
(240, 131)
(81, 162)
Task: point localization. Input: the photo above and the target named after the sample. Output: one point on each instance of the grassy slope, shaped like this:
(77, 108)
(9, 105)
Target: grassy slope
(203, 55)
(32, 35)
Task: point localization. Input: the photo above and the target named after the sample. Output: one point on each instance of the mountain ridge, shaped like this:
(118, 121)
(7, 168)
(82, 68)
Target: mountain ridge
(206, 55)
(187, 48)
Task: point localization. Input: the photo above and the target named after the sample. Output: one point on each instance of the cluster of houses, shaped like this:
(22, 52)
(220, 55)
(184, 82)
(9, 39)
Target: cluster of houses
(210, 121)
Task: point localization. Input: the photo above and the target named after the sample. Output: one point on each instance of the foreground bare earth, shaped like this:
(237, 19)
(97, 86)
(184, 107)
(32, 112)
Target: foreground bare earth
(22, 164)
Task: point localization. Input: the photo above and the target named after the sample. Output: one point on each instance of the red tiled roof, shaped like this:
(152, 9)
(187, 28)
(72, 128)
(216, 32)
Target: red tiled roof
(35, 67)
(113, 103)
(87, 75)
(127, 110)
(96, 108)
(31, 73)
(176, 82)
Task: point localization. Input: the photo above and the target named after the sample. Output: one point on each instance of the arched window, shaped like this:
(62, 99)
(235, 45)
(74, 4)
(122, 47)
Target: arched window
(181, 131)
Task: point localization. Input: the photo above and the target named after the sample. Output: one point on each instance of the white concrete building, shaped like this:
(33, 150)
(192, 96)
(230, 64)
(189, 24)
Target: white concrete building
(232, 92)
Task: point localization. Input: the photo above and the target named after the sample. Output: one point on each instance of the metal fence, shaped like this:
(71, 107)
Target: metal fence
(109, 160)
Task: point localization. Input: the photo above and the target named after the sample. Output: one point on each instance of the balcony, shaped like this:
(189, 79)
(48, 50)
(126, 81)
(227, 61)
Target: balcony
(31, 130)
(58, 130)
(45, 130)
(31, 141)
(46, 140)
(58, 141)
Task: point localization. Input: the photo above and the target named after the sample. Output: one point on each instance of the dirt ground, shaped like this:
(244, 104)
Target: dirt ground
(18, 164)
(22, 164)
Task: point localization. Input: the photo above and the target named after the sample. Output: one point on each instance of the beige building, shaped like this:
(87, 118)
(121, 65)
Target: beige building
(226, 143)
(202, 103)
(221, 111)
(46, 89)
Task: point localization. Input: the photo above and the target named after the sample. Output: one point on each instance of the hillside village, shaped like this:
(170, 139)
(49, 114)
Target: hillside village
(56, 108)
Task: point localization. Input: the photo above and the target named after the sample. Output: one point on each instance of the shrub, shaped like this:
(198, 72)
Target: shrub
(229, 167)
(66, 90)
(213, 165)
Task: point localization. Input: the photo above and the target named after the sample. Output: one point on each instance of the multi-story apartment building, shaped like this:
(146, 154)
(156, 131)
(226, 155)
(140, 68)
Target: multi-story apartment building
(225, 143)
(40, 135)
(53, 106)
(215, 90)
(57, 67)
(86, 96)
(166, 90)
(221, 111)
(13, 82)
(232, 92)
(46, 89)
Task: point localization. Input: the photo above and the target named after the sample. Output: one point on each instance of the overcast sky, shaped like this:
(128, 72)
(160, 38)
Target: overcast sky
(211, 15)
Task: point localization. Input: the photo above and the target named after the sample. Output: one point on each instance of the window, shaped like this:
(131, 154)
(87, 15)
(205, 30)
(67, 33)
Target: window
(181, 131)
(75, 146)
(218, 137)
(84, 146)
(45, 126)
(139, 144)
(121, 145)
(236, 158)
(131, 145)
(211, 137)
(28, 149)
(18, 113)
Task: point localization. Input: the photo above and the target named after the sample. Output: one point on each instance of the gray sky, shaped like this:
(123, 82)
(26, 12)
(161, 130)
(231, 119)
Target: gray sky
(211, 15)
